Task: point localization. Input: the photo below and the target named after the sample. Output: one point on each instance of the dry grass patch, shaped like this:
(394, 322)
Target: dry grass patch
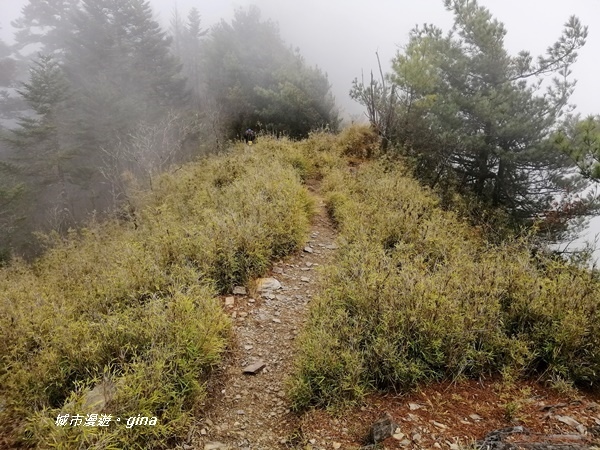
(416, 295)
(136, 305)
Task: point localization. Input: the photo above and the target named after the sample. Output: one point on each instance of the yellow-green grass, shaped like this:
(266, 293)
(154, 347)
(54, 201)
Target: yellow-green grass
(135, 302)
(415, 294)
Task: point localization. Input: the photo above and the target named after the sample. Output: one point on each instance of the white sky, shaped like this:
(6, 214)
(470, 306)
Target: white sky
(342, 36)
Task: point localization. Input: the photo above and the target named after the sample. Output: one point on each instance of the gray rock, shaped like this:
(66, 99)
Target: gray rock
(97, 398)
(495, 439)
(255, 367)
(308, 249)
(239, 290)
(305, 279)
(383, 428)
(267, 284)
(399, 436)
(572, 423)
(215, 446)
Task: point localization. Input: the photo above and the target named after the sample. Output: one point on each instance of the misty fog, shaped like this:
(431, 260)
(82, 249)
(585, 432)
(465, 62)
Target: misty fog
(322, 46)
(342, 36)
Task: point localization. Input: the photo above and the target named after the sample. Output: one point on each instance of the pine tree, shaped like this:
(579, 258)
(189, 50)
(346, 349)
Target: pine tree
(192, 45)
(120, 62)
(8, 65)
(45, 23)
(11, 191)
(39, 137)
(187, 46)
(473, 115)
(42, 149)
(11, 68)
(257, 79)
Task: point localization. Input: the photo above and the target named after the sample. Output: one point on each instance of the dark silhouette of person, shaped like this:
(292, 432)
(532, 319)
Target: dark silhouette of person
(249, 136)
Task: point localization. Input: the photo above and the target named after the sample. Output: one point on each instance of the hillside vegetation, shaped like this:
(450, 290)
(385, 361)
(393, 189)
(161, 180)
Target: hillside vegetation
(134, 303)
(415, 294)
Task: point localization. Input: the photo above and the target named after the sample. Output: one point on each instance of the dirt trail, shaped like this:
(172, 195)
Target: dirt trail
(251, 411)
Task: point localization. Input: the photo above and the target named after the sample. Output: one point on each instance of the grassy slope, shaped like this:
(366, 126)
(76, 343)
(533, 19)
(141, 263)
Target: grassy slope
(415, 294)
(138, 304)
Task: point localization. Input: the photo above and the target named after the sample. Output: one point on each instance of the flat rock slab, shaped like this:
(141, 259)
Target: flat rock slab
(239, 290)
(216, 446)
(97, 398)
(255, 367)
(572, 423)
(267, 284)
(495, 440)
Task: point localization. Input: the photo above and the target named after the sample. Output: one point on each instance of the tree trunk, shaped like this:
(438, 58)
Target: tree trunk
(482, 171)
(499, 185)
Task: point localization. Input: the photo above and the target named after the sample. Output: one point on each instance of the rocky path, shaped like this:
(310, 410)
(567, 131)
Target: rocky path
(251, 410)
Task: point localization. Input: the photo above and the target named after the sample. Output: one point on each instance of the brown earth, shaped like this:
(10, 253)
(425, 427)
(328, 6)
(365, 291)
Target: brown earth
(454, 415)
(251, 411)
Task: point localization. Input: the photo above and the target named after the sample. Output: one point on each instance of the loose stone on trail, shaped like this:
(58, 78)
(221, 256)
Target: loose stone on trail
(255, 367)
(267, 284)
(216, 446)
(383, 428)
(239, 290)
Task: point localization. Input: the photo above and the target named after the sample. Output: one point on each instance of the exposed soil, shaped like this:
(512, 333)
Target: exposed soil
(454, 415)
(251, 411)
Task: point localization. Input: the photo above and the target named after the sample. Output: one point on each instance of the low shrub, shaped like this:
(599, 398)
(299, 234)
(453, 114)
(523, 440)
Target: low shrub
(359, 141)
(134, 304)
(415, 294)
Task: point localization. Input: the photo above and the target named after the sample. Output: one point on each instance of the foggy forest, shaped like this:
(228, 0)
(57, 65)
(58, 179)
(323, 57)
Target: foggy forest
(105, 95)
(97, 97)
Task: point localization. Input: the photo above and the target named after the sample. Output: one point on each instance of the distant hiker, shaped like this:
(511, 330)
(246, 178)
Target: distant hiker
(249, 136)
